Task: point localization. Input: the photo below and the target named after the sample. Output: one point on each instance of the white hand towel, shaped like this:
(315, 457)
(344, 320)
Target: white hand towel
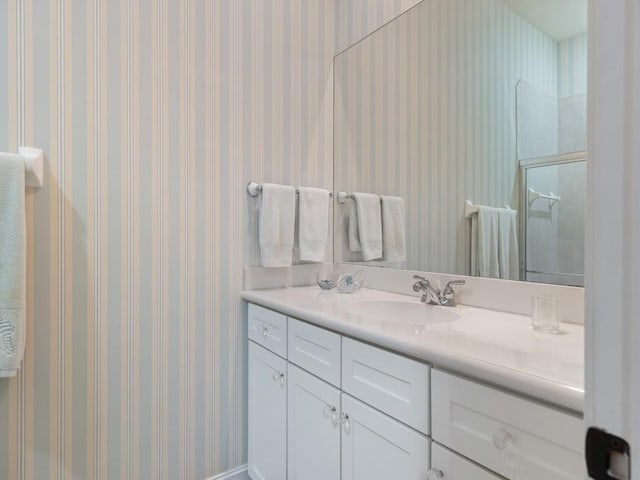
(487, 242)
(313, 223)
(508, 245)
(276, 225)
(393, 231)
(369, 221)
(12, 264)
(495, 244)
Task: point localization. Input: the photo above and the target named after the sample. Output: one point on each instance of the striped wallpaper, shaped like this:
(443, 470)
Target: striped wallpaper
(153, 115)
(355, 19)
(425, 109)
(572, 93)
(572, 66)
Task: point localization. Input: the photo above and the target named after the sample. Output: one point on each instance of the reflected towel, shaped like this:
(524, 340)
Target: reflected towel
(365, 226)
(354, 236)
(12, 264)
(313, 223)
(393, 230)
(494, 244)
(276, 225)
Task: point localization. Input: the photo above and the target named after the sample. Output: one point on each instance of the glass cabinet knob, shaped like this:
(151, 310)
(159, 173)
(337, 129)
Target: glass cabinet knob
(435, 474)
(345, 421)
(502, 440)
(278, 377)
(331, 412)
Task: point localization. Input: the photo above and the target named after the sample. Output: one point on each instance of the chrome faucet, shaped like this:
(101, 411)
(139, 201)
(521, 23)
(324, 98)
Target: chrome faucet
(433, 296)
(429, 294)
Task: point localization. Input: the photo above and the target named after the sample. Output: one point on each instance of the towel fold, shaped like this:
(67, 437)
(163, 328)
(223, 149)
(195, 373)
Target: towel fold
(313, 223)
(494, 244)
(12, 264)
(277, 224)
(393, 231)
(354, 235)
(365, 226)
(509, 257)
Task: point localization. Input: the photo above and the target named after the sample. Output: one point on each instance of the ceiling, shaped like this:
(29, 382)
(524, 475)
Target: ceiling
(560, 19)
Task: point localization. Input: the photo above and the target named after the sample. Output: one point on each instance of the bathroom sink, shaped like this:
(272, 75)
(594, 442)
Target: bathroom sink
(402, 311)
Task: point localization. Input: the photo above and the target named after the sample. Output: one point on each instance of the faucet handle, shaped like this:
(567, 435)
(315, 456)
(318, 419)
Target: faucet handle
(449, 295)
(449, 287)
(420, 284)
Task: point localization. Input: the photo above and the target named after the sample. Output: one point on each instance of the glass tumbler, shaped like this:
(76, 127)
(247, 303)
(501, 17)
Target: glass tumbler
(544, 314)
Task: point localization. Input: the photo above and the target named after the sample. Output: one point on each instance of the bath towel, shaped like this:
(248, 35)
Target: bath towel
(12, 264)
(393, 231)
(313, 223)
(365, 226)
(276, 225)
(494, 244)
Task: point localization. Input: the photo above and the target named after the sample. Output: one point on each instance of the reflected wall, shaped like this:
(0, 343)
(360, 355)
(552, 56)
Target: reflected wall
(425, 109)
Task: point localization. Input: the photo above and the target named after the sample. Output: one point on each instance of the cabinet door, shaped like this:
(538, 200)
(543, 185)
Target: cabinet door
(377, 447)
(267, 415)
(446, 465)
(313, 450)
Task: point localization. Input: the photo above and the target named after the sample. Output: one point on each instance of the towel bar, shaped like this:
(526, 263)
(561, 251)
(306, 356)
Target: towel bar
(254, 189)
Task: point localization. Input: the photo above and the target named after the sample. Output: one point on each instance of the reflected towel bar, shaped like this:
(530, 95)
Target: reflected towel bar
(470, 208)
(342, 197)
(533, 195)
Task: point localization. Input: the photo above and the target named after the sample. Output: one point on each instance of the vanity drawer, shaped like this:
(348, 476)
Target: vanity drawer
(314, 349)
(515, 437)
(268, 328)
(455, 467)
(391, 383)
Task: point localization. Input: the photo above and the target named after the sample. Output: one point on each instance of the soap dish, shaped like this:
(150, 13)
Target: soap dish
(350, 282)
(328, 283)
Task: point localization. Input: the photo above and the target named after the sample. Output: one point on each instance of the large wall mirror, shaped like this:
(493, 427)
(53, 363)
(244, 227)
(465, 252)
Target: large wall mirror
(473, 113)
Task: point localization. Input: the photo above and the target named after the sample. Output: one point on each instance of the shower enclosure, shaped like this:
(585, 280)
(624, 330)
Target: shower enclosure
(552, 216)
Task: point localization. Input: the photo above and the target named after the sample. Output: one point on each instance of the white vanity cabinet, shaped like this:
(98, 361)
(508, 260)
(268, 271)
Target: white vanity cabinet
(303, 426)
(323, 406)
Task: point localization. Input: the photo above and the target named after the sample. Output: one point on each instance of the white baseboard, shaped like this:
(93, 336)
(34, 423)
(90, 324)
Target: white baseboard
(239, 473)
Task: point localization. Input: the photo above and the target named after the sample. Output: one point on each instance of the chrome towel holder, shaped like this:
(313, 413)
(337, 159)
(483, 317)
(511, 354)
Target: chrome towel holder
(33, 166)
(254, 189)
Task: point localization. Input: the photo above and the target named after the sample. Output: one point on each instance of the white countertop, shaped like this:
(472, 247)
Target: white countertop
(495, 347)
